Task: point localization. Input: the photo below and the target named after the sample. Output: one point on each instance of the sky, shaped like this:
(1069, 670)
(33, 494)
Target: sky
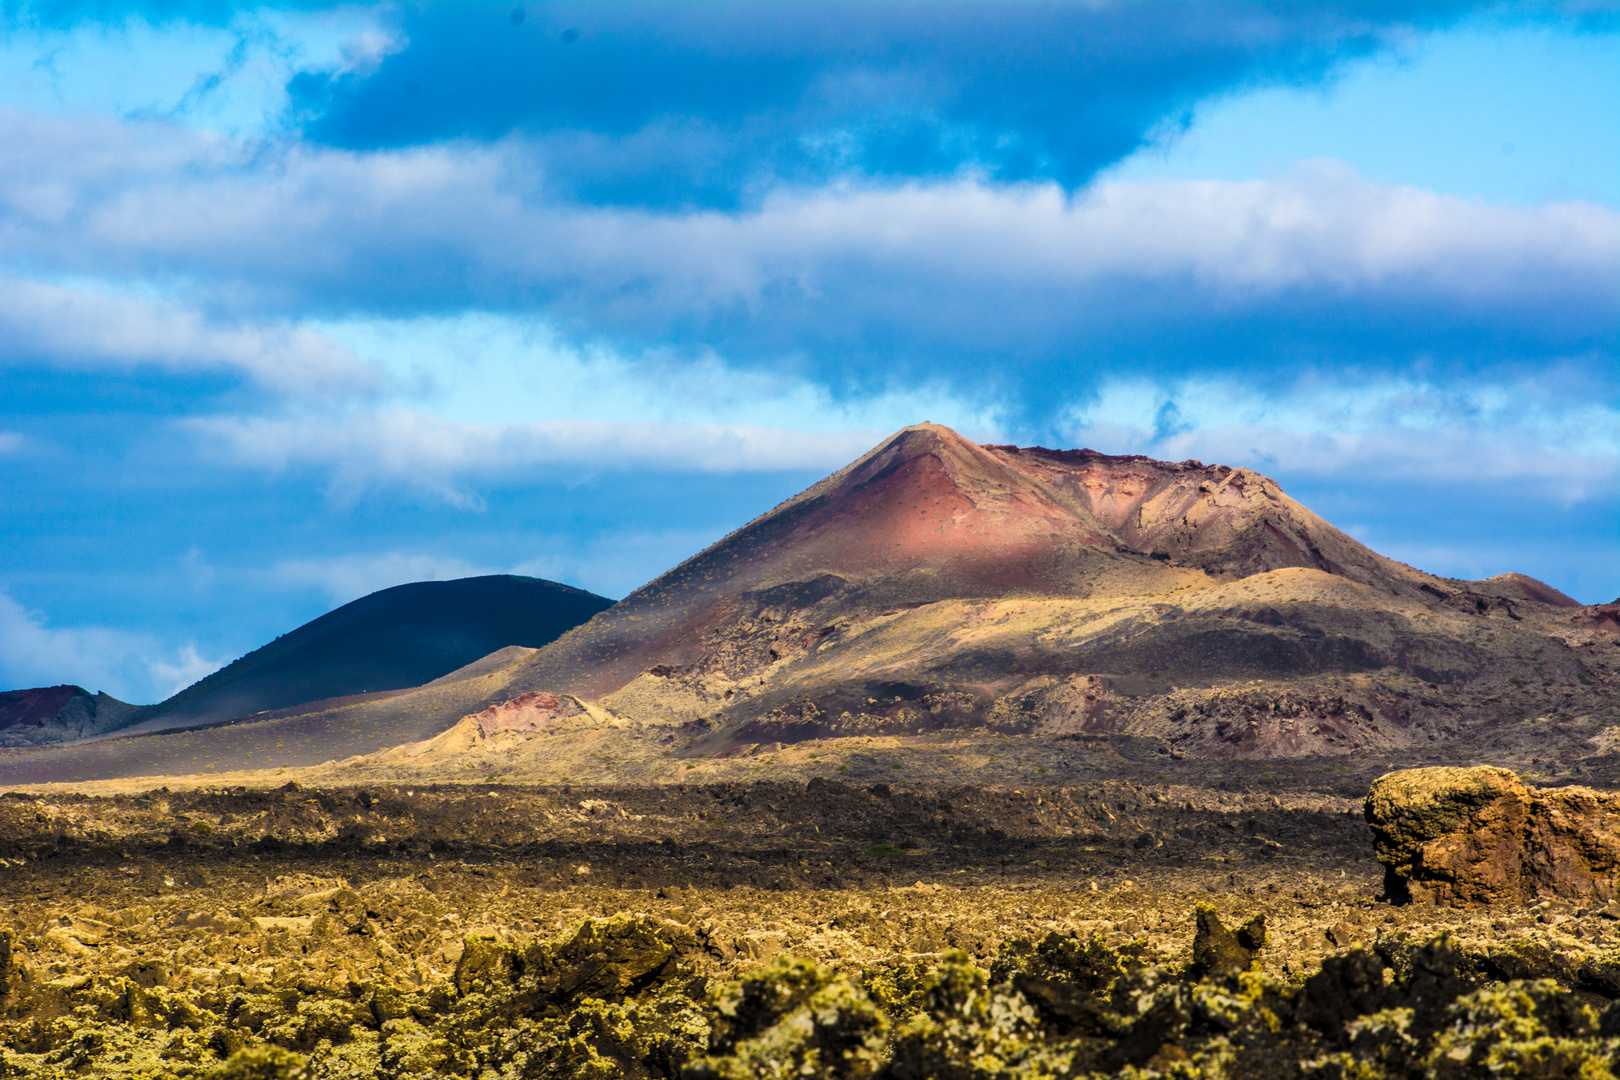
(301, 301)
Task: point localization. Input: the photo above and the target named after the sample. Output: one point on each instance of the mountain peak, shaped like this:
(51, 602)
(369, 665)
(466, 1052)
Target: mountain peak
(928, 515)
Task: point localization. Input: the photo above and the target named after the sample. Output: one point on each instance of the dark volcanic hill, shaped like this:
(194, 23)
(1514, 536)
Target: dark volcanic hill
(399, 637)
(52, 714)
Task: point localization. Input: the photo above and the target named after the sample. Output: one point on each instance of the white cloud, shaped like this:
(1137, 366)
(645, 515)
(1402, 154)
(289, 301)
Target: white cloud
(467, 225)
(11, 442)
(485, 368)
(1390, 429)
(1318, 224)
(404, 447)
(80, 328)
(130, 666)
(1395, 453)
(186, 669)
(228, 77)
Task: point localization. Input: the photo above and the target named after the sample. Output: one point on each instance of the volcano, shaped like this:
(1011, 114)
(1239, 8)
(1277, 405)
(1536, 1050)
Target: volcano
(938, 586)
(929, 517)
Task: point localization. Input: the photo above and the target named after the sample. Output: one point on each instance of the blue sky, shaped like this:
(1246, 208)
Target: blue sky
(302, 301)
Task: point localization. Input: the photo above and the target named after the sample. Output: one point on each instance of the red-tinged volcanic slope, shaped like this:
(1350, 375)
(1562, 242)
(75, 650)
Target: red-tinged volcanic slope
(929, 516)
(1222, 520)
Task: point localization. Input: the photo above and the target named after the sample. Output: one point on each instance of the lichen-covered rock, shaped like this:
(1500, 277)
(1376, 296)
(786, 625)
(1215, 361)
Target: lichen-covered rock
(263, 1063)
(1087, 964)
(600, 958)
(970, 1030)
(609, 958)
(900, 987)
(793, 1018)
(1218, 952)
(1075, 985)
(611, 998)
(1521, 1029)
(625, 999)
(1346, 987)
(1479, 836)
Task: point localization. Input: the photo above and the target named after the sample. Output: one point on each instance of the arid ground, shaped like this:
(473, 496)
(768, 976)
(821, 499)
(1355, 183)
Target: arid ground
(161, 933)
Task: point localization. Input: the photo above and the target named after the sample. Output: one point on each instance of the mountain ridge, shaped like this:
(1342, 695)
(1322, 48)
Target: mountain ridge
(935, 589)
(1005, 521)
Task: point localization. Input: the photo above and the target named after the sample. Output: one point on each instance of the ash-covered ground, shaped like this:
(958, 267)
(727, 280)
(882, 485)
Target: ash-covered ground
(754, 929)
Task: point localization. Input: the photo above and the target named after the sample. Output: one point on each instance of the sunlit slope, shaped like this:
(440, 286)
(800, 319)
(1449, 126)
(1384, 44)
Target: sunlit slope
(1135, 665)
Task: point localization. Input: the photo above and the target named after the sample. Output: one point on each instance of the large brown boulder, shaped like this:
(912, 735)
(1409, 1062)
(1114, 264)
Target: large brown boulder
(1480, 836)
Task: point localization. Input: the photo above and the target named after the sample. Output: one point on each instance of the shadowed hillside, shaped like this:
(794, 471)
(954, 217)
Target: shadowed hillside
(399, 637)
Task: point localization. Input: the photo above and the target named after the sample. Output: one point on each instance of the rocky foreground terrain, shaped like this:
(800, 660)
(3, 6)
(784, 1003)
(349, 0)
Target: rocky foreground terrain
(767, 929)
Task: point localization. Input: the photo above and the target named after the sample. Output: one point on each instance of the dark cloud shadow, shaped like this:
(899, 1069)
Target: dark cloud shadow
(652, 103)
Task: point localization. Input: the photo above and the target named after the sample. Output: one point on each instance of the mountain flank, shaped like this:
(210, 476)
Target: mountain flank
(938, 585)
(930, 518)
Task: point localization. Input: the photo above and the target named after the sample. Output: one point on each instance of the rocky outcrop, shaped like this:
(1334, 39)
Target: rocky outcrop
(524, 715)
(1469, 836)
(55, 714)
(1218, 952)
(1603, 618)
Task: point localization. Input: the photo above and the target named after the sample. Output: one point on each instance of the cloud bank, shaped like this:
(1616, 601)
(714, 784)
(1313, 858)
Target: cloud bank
(1546, 431)
(1019, 289)
(711, 104)
(408, 448)
(84, 329)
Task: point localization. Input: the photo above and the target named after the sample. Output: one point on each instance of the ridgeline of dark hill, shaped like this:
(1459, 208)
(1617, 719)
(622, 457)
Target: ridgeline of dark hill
(399, 637)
